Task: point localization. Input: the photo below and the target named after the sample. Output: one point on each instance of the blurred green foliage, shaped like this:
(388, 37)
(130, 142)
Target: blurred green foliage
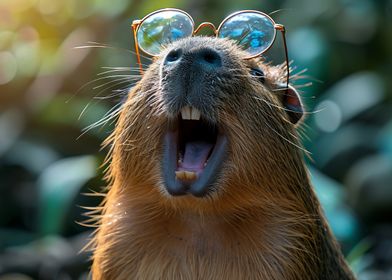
(50, 91)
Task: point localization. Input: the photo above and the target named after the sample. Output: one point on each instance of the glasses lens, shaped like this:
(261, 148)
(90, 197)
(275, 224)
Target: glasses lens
(254, 32)
(162, 28)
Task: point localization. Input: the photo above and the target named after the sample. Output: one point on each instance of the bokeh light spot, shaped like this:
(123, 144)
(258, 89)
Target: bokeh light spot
(307, 45)
(27, 51)
(328, 117)
(80, 9)
(8, 67)
(111, 8)
(357, 93)
(6, 38)
(48, 7)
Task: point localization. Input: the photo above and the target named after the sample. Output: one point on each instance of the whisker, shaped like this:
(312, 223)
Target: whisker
(278, 11)
(108, 117)
(135, 68)
(112, 95)
(115, 93)
(116, 70)
(84, 110)
(120, 78)
(112, 113)
(89, 83)
(288, 141)
(105, 46)
(285, 109)
(117, 83)
(304, 85)
(120, 67)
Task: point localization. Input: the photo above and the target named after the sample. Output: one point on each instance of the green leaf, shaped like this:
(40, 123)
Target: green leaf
(59, 185)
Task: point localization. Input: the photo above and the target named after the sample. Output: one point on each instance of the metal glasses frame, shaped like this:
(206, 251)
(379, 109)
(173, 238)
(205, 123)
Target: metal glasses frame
(277, 27)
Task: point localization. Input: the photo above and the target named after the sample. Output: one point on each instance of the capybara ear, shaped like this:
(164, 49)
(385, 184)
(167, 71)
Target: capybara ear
(293, 104)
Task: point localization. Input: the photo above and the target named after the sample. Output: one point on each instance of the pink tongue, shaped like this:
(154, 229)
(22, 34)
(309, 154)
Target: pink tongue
(196, 154)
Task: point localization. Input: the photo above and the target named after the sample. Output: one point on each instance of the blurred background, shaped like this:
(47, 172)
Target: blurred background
(52, 94)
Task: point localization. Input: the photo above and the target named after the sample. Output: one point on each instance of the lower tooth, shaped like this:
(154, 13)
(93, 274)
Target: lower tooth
(186, 175)
(190, 175)
(180, 175)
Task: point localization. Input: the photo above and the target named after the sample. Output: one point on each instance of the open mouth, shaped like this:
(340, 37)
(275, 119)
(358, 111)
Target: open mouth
(194, 151)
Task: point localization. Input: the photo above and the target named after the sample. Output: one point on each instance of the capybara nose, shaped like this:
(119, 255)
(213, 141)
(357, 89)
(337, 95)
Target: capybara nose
(206, 59)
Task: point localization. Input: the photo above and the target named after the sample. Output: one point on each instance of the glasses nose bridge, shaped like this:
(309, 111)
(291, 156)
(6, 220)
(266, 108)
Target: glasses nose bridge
(206, 24)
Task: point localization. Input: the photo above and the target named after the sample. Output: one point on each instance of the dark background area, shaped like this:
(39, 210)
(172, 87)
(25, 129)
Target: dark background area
(52, 93)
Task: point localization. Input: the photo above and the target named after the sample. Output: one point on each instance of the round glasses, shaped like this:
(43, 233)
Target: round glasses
(253, 31)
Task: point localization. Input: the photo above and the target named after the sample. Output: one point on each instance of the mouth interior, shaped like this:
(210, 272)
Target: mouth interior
(196, 141)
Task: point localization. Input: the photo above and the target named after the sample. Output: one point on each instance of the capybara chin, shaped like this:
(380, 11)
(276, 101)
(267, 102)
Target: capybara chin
(207, 178)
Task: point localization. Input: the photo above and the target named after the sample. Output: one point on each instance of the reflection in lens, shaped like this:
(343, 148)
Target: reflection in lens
(252, 31)
(162, 28)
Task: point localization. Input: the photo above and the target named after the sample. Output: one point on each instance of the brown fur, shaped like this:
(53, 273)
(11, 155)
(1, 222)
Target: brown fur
(263, 221)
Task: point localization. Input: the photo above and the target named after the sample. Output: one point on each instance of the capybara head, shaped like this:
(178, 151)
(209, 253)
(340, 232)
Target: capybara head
(206, 127)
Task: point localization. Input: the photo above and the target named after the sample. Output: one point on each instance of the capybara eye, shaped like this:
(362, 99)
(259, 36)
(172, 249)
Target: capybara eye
(258, 73)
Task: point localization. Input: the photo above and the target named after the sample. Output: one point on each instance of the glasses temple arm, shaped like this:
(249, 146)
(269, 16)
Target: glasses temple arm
(135, 24)
(282, 29)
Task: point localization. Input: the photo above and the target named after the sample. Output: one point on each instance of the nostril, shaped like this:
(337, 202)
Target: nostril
(210, 56)
(206, 59)
(173, 56)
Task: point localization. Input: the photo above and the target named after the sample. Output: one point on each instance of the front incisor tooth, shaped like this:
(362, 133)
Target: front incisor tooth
(190, 113)
(186, 113)
(195, 115)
